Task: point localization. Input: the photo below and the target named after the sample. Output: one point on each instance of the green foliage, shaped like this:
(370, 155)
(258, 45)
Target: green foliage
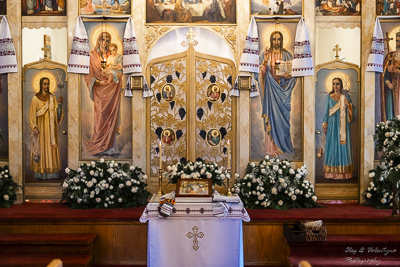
(197, 170)
(275, 184)
(7, 188)
(105, 185)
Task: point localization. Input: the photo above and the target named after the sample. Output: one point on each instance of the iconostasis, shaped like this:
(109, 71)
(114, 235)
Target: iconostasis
(191, 98)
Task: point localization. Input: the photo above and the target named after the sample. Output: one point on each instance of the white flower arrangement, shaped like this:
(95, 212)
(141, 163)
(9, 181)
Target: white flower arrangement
(105, 185)
(7, 188)
(387, 140)
(197, 170)
(273, 183)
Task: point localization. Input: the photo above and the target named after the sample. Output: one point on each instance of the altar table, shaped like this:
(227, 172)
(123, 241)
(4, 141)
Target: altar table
(195, 235)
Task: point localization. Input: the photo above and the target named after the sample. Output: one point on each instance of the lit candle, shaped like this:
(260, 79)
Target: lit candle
(160, 146)
(229, 161)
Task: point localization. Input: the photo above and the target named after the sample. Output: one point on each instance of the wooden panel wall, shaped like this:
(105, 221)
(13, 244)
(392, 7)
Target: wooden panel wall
(126, 243)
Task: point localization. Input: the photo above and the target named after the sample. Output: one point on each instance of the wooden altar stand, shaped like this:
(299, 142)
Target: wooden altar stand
(122, 239)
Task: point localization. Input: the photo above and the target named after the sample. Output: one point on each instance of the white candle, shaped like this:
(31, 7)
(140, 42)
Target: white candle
(229, 148)
(160, 146)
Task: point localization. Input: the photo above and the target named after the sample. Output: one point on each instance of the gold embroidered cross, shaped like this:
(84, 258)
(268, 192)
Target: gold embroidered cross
(195, 235)
(337, 49)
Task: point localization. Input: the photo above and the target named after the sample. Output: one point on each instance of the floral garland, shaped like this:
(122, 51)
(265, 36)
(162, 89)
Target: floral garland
(7, 191)
(387, 142)
(197, 170)
(275, 184)
(105, 185)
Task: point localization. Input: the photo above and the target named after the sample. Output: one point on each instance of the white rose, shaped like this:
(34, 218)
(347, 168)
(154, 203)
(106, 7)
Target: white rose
(111, 187)
(67, 170)
(93, 164)
(128, 183)
(105, 205)
(90, 184)
(119, 200)
(383, 200)
(275, 167)
(280, 202)
(134, 189)
(98, 200)
(110, 170)
(297, 191)
(121, 185)
(79, 170)
(294, 197)
(291, 171)
(314, 198)
(112, 196)
(6, 197)
(65, 185)
(102, 160)
(79, 200)
(144, 177)
(371, 174)
(267, 157)
(280, 171)
(260, 197)
(369, 195)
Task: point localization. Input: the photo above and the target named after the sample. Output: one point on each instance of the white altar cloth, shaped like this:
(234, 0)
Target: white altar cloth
(194, 237)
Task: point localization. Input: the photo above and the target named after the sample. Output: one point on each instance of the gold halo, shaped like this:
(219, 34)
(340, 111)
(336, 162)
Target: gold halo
(167, 88)
(215, 88)
(38, 76)
(337, 74)
(115, 38)
(214, 133)
(270, 29)
(392, 34)
(166, 133)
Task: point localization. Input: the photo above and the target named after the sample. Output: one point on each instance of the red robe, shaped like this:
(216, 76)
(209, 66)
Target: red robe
(106, 99)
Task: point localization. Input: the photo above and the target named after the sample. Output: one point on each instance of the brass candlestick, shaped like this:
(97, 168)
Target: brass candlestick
(228, 193)
(160, 192)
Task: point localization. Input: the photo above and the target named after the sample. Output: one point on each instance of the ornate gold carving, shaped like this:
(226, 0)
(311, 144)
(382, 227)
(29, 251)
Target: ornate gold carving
(227, 32)
(168, 114)
(154, 33)
(216, 114)
(189, 38)
(195, 235)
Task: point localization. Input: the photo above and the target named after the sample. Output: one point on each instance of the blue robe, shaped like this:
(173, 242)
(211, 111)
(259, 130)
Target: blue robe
(276, 106)
(338, 157)
(389, 97)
